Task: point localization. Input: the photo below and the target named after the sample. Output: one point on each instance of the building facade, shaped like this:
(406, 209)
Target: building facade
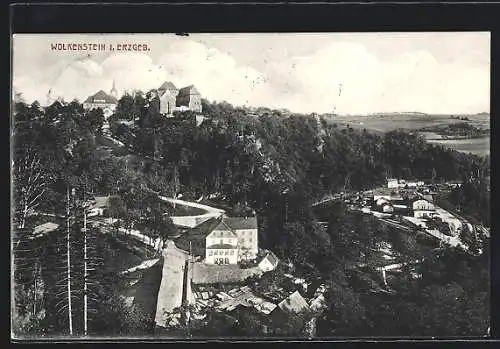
(221, 246)
(423, 209)
(392, 183)
(401, 183)
(247, 233)
(234, 239)
(190, 98)
(167, 94)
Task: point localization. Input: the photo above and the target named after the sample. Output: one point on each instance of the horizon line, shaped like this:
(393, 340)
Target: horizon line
(332, 113)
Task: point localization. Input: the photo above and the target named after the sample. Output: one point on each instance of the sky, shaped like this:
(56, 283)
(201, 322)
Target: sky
(345, 73)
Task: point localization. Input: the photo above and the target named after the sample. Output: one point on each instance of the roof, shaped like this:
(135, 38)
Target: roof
(45, 228)
(422, 201)
(385, 191)
(188, 90)
(318, 303)
(271, 257)
(238, 223)
(101, 201)
(101, 95)
(167, 85)
(293, 303)
(222, 230)
(221, 247)
(197, 237)
(212, 274)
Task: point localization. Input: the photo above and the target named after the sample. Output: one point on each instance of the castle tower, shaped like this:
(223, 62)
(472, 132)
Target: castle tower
(113, 91)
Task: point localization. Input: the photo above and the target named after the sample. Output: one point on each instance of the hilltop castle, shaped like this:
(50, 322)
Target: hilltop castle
(169, 99)
(166, 99)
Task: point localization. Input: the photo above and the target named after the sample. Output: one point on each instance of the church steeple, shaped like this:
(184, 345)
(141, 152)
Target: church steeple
(49, 97)
(113, 91)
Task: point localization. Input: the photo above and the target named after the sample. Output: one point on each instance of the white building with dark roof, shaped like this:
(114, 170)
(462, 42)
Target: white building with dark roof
(269, 262)
(221, 245)
(423, 209)
(233, 239)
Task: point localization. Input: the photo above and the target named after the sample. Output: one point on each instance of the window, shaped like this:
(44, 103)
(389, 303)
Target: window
(232, 252)
(210, 252)
(221, 241)
(216, 253)
(226, 252)
(226, 260)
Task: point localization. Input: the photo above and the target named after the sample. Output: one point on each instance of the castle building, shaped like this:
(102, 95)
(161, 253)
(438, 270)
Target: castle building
(189, 98)
(168, 98)
(102, 100)
(167, 94)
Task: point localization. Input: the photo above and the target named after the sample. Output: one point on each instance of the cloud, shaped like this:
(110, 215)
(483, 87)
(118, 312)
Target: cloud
(216, 74)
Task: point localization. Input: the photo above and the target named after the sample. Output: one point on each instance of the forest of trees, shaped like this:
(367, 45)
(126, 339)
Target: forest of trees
(275, 164)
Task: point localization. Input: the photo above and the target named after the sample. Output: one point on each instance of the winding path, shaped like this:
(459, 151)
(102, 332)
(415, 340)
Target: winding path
(192, 221)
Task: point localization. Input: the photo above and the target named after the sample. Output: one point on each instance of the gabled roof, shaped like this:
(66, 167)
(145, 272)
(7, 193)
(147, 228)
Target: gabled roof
(294, 303)
(167, 85)
(188, 90)
(222, 230)
(271, 257)
(214, 274)
(101, 95)
(237, 223)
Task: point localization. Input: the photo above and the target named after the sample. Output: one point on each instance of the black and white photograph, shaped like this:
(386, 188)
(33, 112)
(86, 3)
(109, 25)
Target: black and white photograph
(250, 185)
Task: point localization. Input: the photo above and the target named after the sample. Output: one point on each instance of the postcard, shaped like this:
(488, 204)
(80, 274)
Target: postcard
(250, 185)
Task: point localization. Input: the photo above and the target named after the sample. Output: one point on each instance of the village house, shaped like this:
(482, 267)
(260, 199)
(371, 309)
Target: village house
(392, 183)
(293, 305)
(387, 207)
(269, 262)
(401, 183)
(99, 206)
(221, 245)
(388, 194)
(423, 209)
(234, 239)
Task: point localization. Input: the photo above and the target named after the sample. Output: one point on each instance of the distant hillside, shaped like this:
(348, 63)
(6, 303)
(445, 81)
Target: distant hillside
(409, 114)
(384, 122)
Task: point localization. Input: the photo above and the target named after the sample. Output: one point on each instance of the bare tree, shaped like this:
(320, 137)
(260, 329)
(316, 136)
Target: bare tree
(30, 183)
